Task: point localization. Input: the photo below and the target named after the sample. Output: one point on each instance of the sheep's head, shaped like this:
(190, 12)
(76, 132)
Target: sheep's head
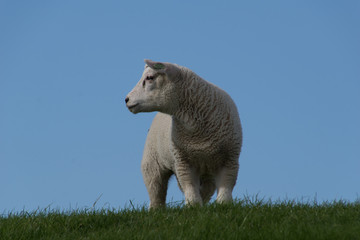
(155, 90)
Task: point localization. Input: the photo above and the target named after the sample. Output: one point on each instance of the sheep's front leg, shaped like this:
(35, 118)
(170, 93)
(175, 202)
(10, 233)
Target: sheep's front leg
(156, 182)
(225, 182)
(189, 182)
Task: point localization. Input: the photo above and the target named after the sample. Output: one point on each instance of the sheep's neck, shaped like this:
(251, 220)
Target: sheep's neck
(196, 108)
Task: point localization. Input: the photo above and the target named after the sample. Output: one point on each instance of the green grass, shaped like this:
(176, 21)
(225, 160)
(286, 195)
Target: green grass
(244, 219)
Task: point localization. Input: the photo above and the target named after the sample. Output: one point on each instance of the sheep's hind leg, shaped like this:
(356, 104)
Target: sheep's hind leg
(156, 182)
(225, 182)
(207, 188)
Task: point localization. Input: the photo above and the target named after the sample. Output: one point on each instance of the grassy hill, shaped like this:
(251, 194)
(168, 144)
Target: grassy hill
(244, 219)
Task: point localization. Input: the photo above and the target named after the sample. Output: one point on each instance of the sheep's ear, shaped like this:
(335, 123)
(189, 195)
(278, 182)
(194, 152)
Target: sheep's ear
(158, 66)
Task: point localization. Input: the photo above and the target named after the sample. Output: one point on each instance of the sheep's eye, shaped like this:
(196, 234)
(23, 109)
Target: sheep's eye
(149, 79)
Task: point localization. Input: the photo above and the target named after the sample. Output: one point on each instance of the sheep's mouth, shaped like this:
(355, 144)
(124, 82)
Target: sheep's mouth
(132, 106)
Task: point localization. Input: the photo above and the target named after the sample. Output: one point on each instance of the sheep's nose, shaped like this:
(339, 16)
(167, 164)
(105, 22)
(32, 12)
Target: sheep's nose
(126, 99)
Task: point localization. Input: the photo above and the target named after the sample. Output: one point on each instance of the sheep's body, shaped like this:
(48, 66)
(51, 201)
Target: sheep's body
(196, 136)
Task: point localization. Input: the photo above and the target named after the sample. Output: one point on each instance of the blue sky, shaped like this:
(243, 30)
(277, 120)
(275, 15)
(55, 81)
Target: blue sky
(66, 137)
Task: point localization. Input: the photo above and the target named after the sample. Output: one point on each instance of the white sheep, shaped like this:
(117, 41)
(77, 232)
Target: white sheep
(196, 135)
